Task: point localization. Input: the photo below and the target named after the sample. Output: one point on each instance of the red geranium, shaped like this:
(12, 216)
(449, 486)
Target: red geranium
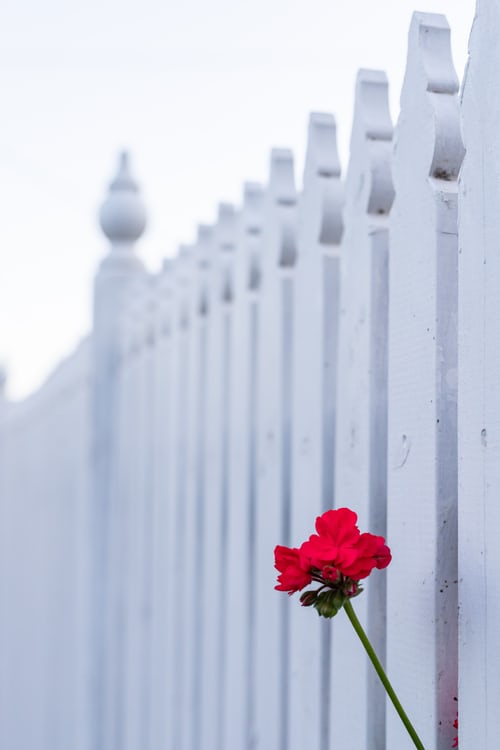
(293, 575)
(335, 540)
(337, 557)
(340, 544)
(372, 552)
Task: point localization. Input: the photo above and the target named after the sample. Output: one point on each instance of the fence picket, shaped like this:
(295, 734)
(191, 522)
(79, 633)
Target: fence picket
(162, 609)
(273, 451)
(136, 532)
(308, 656)
(118, 548)
(215, 499)
(362, 401)
(175, 363)
(422, 458)
(478, 399)
(239, 566)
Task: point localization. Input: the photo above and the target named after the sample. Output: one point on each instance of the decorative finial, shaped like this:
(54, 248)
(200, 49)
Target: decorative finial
(123, 215)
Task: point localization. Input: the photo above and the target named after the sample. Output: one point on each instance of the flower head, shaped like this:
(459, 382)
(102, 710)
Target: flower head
(338, 556)
(334, 543)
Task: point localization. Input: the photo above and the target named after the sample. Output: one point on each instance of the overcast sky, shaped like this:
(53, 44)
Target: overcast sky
(198, 90)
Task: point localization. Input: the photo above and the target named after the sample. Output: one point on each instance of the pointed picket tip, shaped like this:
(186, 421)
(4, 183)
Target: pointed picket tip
(152, 300)
(167, 277)
(184, 280)
(371, 142)
(226, 230)
(322, 191)
(322, 157)
(281, 177)
(204, 251)
(429, 49)
(253, 207)
(204, 244)
(429, 124)
(204, 234)
(253, 216)
(166, 293)
(371, 107)
(226, 227)
(282, 192)
(184, 263)
(185, 251)
(225, 212)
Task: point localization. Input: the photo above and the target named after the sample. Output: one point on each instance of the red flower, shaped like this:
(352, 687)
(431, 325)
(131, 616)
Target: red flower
(337, 558)
(294, 575)
(335, 540)
(330, 573)
(372, 553)
(339, 544)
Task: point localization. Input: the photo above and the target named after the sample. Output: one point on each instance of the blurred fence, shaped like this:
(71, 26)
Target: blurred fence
(329, 345)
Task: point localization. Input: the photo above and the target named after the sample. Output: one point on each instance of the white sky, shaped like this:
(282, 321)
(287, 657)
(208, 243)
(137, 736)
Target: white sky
(198, 90)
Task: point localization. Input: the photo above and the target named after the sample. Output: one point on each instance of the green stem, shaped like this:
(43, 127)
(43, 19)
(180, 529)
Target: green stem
(383, 677)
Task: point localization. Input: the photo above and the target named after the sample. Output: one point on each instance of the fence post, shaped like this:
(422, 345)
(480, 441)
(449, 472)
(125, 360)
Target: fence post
(422, 447)
(478, 392)
(361, 444)
(123, 221)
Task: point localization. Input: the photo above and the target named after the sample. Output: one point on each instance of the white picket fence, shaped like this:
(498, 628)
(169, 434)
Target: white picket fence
(332, 345)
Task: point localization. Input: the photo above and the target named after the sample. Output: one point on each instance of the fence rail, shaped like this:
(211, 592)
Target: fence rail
(324, 345)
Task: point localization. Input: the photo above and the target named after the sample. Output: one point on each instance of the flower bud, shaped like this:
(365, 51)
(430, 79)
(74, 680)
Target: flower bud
(328, 603)
(308, 598)
(330, 573)
(352, 589)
